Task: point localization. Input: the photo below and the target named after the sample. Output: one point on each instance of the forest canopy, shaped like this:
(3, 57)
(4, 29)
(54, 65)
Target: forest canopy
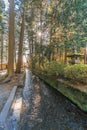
(41, 31)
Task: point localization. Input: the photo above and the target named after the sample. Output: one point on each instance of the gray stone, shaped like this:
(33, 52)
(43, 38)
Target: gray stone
(5, 110)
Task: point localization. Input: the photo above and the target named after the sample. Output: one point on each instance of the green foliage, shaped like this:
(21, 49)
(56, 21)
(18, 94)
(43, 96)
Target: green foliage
(1, 14)
(75, 95)
(55, 68)
(77, 73)
(71, 16)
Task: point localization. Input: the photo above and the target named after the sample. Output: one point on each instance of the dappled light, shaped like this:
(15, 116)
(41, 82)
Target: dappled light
(3, 72)
(43, 46)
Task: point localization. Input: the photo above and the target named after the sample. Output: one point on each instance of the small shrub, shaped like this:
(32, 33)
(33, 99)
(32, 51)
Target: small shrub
(77, 72)
(55, 68)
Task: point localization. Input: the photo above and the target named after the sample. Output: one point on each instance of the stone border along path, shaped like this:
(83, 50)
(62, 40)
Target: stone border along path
(12, 122)
(14, 103)
(6, 108)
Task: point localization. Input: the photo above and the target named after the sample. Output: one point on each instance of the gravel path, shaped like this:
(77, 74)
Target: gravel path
(46, 109)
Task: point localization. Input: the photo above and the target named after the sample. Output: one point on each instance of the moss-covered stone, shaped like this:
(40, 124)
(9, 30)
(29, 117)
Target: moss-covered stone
(75, 95)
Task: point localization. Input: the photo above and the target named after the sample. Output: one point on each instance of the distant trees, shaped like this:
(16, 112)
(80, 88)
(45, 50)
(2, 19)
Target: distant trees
(2, 7)
(52, 30)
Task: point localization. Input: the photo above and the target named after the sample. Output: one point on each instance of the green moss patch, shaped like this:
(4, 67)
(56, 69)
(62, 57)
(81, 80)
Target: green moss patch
(75, 95)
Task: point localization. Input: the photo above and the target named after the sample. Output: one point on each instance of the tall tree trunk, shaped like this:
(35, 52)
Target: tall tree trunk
(65, 57)
(29, 41)
(85, 55)
(29, 46)
(20, 50)
(1, 50)
(32, 49)
(11, 40)
(15, 57)
(40, 52)
(32, 41)
(6, 53)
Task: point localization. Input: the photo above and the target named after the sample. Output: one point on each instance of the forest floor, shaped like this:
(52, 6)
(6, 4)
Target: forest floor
(46, 109)
(43, 107)
(7, 86)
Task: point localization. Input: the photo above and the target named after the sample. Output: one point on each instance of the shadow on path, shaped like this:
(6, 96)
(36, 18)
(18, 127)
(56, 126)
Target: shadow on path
(46, 109)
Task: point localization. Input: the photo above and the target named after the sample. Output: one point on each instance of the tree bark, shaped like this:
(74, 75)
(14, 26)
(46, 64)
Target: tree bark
(85, 55)
(65, 57)
(11, 39)
(20, 50)
(29, 41)
(1, 50)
